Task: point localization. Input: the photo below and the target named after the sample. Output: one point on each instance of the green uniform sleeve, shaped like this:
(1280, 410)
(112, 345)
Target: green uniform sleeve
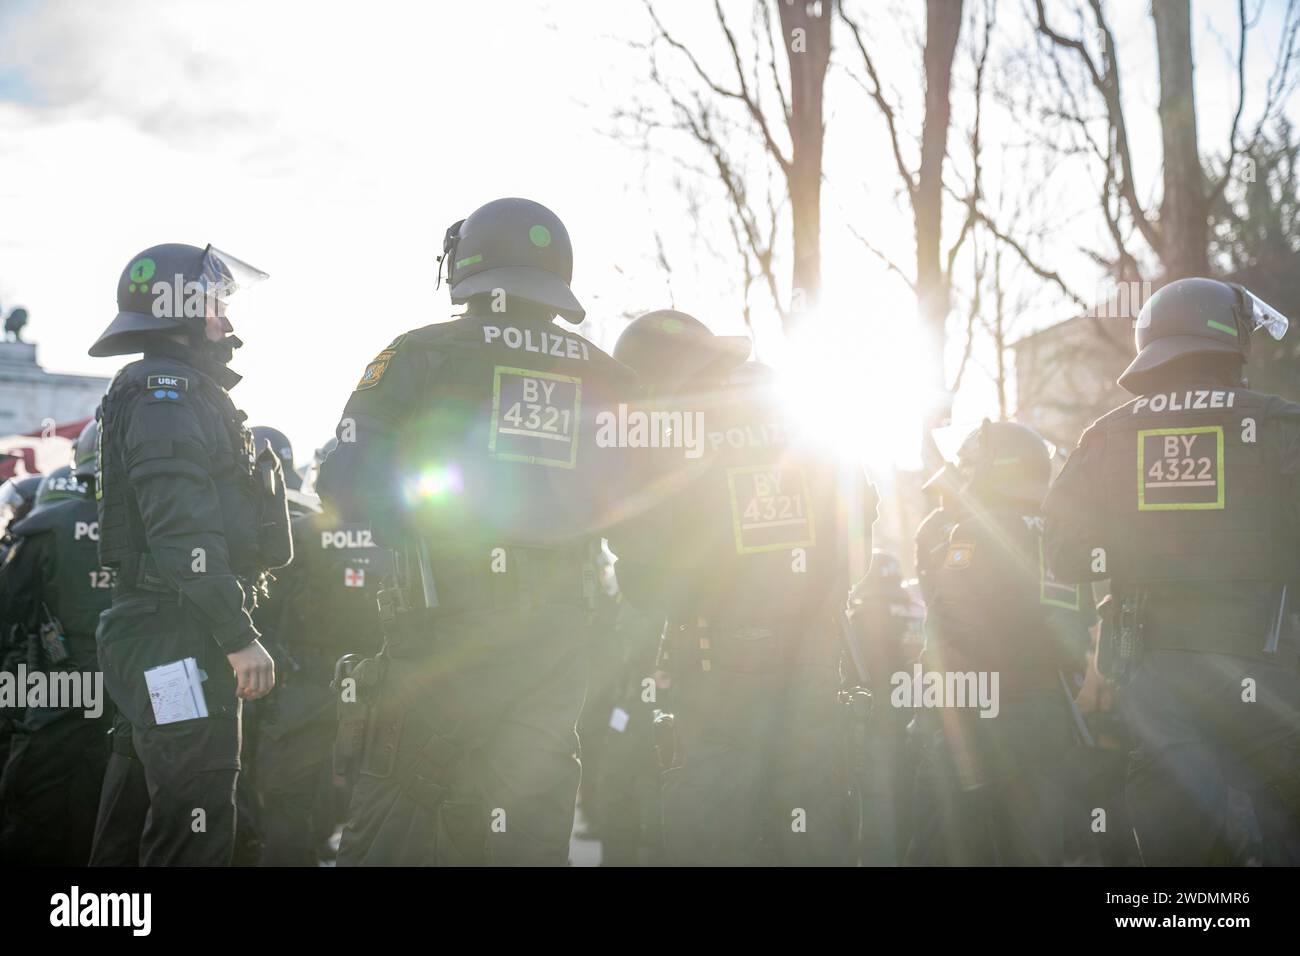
(167, 464)
(1075, 509)
(361, 479)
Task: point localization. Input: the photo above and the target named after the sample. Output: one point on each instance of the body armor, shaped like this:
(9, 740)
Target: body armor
(80, 588)
(1199, 517)
(508, 454)
(760, 527)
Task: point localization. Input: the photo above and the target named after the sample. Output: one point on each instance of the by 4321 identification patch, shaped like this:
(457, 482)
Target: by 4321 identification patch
(770, 508)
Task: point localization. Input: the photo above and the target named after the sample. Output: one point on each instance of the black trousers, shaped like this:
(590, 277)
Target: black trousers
(123, 804)
(190, 767)
(474, 761)
(294, 770)
(50, 790)
(760, 777)
(990, 790)
(1204, 723)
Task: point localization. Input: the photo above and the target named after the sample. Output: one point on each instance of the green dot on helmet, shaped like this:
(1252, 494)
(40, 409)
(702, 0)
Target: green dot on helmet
(540, 236)
(142, 270)
(671, 326)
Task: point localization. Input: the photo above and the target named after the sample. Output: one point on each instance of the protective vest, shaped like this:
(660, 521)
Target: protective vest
(1199, 515)
(759, 527)
(993, 605)
(80, 587)
(255, 517)
(512, 446)
(340, 569)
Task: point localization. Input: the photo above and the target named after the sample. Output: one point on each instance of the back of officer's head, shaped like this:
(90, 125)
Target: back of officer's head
(1210, 368)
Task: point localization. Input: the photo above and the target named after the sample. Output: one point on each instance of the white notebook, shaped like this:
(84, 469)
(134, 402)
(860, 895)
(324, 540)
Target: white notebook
(176, 691)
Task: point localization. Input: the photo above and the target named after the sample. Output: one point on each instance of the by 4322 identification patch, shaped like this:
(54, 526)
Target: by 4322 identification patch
(1180, 469)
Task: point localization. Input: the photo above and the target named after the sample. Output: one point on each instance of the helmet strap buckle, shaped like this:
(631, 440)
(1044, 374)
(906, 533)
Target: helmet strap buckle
(448, 257)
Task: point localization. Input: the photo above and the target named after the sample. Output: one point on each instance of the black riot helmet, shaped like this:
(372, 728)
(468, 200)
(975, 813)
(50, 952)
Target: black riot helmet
(517, 246)
(170, 288)
(1196, 317)
(83, 453)
(17, 497)
(1006, 461)
(60, 485)
(283, 449)
(666, 348)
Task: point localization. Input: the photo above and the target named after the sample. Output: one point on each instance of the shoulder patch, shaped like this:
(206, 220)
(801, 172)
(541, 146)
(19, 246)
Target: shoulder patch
(166, 388)
(174, 382)
(376, 369)
(960, 555)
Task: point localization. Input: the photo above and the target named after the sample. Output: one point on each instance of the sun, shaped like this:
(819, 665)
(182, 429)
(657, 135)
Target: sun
(855, 381)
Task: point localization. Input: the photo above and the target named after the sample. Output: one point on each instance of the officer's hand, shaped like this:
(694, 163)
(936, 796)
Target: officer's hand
(254, 670)
(1096, 693)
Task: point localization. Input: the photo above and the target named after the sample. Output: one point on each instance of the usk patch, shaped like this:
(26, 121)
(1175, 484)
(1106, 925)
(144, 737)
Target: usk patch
(173, 383)
(960, 555)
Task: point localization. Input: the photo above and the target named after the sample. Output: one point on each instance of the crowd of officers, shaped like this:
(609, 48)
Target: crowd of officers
(526, 575)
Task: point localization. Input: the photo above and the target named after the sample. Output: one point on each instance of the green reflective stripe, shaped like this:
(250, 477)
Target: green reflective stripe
(469, 260)
(1044, 584)
(1222, 328)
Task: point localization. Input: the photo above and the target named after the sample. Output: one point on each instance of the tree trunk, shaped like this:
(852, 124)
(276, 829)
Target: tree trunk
(806, 28)
(942, 27)
(1184, 205)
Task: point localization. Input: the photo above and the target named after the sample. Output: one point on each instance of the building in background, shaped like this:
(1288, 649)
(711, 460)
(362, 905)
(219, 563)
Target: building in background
(39, 410)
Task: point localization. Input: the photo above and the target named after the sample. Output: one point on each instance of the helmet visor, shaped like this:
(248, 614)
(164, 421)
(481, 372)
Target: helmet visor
(1264, 316)
(222, 276)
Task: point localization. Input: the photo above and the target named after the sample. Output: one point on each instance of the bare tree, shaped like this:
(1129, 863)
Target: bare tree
(1177, 234)
(923, 183)
(765, 101)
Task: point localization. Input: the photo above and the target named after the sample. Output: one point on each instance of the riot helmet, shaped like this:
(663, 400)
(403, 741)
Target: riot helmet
(84, 452)
(283, 449)
(997, 460)
(174, 288)
(517, 246)
(17, 497)
(60, 485)
(1196, 316)
(667, 347)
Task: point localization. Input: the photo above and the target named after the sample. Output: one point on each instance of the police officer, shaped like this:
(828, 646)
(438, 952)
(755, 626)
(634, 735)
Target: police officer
(283, 448)
(887, 623)
(628, 795)
(989, 788)
(479, 436)
(191, 516)
(747, 554)
(322, 608)
(53, 589)
(1186, 499)
(17, 495)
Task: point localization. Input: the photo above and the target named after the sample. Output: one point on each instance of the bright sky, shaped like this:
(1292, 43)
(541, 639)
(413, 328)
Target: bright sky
(330, 144)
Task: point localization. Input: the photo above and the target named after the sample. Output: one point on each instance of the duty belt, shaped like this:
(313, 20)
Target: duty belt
(532, 578)
(139, 572)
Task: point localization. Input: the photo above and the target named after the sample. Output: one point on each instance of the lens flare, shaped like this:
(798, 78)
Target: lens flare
(433, 484)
